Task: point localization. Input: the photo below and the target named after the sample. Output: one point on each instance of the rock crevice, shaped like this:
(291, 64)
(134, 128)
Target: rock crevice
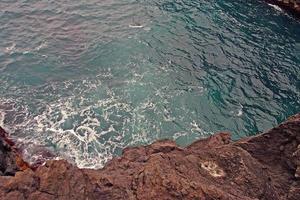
(266, 166)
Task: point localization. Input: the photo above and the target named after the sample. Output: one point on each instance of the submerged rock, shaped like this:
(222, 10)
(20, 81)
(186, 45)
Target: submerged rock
(266, 166)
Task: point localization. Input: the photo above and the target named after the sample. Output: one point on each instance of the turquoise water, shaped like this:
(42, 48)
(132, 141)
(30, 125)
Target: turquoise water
(88, 78)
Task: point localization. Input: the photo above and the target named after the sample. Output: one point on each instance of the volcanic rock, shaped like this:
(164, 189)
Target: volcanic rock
(292, 6)
(262, 167)
(10, 159)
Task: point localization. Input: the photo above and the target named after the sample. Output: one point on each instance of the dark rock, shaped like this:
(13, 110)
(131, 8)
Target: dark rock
(8, 165)
(263, 167)
(291, 6)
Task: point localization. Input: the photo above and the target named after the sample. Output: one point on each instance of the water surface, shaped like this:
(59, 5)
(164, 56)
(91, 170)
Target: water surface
(88, 78)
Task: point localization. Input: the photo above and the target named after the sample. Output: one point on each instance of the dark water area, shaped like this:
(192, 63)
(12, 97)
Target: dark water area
(88, 78)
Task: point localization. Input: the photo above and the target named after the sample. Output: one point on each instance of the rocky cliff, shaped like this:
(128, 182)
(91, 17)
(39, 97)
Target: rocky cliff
(292, 6)
(266, 166)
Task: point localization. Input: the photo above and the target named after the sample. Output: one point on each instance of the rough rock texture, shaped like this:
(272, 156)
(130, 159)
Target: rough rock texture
(10, 159)
(292, 6)
(266, 166)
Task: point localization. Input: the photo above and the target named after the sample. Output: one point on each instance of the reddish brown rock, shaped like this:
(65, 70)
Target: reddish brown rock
(292, 6)
(263, 167)
(10, 160)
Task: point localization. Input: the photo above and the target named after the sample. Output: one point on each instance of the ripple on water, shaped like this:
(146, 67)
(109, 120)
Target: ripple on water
(86, 79)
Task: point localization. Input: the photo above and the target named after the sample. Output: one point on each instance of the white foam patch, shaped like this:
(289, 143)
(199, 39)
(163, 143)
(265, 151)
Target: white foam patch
(136, 26)
(238, 112)
(10, 49)
(13, 49)
(276, 7)
(55, 125)
(2, 114)
(41, 46)
(200, 132)
(87, 137)
(97, 118)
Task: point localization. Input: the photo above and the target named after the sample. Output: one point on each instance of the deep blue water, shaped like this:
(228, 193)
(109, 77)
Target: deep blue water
(88, 78)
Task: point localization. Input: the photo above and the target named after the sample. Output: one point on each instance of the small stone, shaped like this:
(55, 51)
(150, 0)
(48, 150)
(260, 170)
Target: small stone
(281, 148)
(297, 173)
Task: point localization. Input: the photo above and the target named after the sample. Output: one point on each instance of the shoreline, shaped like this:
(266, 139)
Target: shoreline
(291, 6)
(265, 166)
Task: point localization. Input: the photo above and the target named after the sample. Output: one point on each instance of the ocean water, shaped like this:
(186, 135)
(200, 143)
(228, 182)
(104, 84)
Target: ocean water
(85, 79)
